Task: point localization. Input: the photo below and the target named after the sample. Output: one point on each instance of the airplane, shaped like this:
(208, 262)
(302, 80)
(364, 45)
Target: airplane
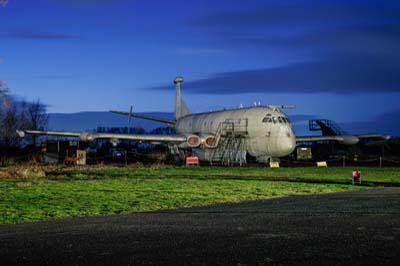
(263, 132)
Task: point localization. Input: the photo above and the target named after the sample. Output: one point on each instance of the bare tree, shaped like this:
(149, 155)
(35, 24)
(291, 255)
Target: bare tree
(3, 88)
(21, 115)
(7, 117)
(4, 100)
(9, 124)
(34, 117)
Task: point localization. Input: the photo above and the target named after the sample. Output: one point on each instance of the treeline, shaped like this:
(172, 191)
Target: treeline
(136, 130)
(16, 114)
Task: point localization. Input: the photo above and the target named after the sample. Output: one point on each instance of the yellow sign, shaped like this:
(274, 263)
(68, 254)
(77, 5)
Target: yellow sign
(274, 164)
(322, 164)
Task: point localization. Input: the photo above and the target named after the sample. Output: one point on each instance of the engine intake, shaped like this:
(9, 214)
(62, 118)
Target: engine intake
(349, 140)
(209, 141)
(86, 136)
(192, 141)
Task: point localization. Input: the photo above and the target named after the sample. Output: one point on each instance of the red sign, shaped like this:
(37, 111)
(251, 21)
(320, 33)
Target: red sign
(192, 160)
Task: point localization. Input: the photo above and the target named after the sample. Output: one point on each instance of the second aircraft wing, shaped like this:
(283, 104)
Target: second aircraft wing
(147, 117)
(342, 139)
(88, 136)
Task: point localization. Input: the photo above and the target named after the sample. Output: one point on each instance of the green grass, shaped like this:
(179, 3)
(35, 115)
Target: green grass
(90, 191)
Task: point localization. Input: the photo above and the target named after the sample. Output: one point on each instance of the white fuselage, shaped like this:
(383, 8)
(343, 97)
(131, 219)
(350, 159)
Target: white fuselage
(269, 132)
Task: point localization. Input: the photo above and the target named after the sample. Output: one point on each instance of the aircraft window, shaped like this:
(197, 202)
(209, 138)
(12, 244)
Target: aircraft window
(280, 119)
(274, 119)
(267, 120)
(284, 119)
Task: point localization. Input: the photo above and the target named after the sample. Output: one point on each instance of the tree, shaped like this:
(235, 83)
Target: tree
(21, 115)
(3, 88)
(34, 117)
(9, 126)
(4, 100)
(7, 115)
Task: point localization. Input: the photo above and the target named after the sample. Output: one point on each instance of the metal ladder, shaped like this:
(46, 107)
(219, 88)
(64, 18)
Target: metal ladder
(231, 146)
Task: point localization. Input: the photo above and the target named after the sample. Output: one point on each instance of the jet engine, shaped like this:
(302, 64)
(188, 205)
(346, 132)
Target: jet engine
(349, 140)
(86, 136)
(209, 141)
(192, 141)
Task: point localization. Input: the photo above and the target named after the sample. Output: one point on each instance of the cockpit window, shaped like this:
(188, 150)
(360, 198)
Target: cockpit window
(276, 119)
(267, 119)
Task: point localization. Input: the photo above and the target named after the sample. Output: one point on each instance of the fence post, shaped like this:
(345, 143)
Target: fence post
(380, 162)
(344, 160)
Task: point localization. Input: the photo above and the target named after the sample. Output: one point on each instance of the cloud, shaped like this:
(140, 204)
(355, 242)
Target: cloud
(88, 2)
(344, 45)
(378, 41)
(3, 3)
(302, 14)
(311, 28)
(35, 35)
(332, 75)
(387, 123)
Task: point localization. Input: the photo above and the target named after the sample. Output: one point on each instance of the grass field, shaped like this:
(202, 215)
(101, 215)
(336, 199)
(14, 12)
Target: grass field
(60, 192)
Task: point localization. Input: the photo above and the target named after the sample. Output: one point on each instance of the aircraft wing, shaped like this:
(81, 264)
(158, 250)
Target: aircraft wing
(318, 138)
(374, 136)
(342, 139)
(147, 117)
(88, 136)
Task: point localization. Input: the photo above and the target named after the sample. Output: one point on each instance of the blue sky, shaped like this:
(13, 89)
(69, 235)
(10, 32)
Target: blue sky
(332, 59)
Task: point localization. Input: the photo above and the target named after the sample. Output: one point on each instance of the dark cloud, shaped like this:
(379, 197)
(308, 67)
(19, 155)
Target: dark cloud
(368, 39)
(35, 35)
(3, 3)
(348, 46)
(333, 75)
(303, 14)
(316, 27)
(387, 123)
(89, 3)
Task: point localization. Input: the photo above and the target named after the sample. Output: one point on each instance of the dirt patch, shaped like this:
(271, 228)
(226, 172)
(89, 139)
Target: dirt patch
(23, 171)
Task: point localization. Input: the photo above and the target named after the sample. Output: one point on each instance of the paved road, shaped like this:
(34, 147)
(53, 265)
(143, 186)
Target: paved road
(352, 228)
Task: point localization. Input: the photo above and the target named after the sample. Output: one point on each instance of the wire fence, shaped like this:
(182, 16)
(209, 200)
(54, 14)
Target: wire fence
(133, 157)
(346, 161)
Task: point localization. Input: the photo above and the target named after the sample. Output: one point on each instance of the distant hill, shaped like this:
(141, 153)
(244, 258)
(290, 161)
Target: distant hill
(88, 121)
(85, 121)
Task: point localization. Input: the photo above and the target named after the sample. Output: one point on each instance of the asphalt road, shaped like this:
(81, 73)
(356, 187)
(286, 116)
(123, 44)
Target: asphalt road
(352, 228)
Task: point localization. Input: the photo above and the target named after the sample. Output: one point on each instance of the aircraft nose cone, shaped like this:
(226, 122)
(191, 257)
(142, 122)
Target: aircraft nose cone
(287, 145)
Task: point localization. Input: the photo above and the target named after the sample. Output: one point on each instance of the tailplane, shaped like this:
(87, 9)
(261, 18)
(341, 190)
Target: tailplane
(181, 108)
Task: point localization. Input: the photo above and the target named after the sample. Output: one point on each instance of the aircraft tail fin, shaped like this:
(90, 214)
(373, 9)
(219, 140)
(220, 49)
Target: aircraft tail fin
(181, 108)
